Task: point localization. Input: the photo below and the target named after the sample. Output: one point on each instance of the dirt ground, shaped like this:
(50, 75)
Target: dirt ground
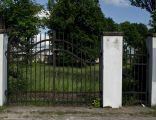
(76, 113)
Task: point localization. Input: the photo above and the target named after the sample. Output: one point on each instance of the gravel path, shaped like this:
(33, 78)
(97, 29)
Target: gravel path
(76, 113)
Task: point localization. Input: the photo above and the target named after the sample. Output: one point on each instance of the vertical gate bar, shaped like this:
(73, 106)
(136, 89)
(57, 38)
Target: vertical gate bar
(40, 79)
(135, 61)
(22, 72)
(67, 80)
(86, 74)
(28, 68)
(76, 81)
(78, 67)
(49, 69)
(63, 64)
(58, 67)
(35, 65)
(137, 79)
(26, 75)
(17, 79)
(8, 72)
(62, 67)
(126, 69)
(68, 70)
(44, 67)
(81, 71)
(129, 74)
(94, 65)
(142, 79)
(146, 96)
(13, 99)
(31, 73)
(146, 84)
(54, 63)
(72, 70)
(100, 67)
(90, 91)
(130, 64)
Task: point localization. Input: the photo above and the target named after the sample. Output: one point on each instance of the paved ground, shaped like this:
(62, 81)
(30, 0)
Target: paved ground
(76, 113)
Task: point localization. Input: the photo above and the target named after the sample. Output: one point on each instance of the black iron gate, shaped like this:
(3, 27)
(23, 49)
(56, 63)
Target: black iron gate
(55, 70)
(134, 75)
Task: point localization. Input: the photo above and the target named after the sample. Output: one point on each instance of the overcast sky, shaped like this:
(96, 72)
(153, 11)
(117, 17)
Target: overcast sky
(120, 11)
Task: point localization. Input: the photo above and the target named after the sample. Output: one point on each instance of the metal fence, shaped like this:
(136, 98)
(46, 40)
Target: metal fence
(134, 75)
(54, 69)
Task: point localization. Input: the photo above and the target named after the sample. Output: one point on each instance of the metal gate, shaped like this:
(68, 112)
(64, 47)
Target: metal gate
(58, 69)
(134, 75)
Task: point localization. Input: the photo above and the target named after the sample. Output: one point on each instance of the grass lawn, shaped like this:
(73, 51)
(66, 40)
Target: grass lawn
(44, 77)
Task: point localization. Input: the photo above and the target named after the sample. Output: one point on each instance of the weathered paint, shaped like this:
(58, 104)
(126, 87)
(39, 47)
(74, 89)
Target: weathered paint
(112, 71)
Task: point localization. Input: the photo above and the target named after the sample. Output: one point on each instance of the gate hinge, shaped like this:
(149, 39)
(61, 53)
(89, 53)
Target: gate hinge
(6, 53)
(6, 93)
(101, 53)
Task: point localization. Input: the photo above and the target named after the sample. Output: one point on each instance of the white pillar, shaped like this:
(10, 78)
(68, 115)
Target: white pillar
(3, 68)
(151, 71)
(112, 69)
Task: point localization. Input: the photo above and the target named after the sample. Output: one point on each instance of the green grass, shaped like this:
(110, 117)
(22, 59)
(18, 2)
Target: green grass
(40, 77)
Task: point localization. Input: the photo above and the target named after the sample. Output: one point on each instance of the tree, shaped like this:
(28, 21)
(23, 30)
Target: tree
(83, 20)
(51, 4)
(110, 25)
(21, 18)
(135, 33)
(22, 23)
(150, 6)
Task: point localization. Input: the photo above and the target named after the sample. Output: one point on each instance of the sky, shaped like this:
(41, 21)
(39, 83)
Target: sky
(120, 11)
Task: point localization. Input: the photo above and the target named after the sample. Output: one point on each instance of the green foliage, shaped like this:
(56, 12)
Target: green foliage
(135, 34)
(72, 15)
(149, 5)
(17, 84)
(82, 20)
(96, 103)
(51, 4)
(110, 25)
(153, 22)
(21, 18)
